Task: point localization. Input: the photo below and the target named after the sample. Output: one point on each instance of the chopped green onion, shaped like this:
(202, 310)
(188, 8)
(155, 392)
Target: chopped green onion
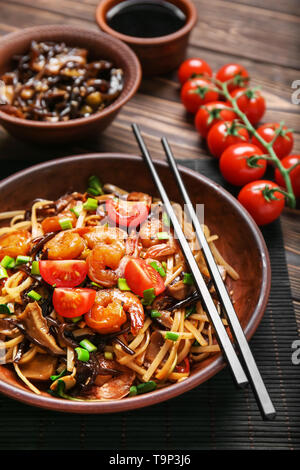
(189, 311)
(22, 260)
(165, 219)
(65, 224)
(8, 262)
(55, 377)
(108, 355)
(34, 295)
(172, 336)
(122, 284)
(164, 265)
(3, 272)
(146, 387)
(155, 314)
(162, 235)
(5, 309)
(91, 204)
(76, 319)
(96, 285)
(149, 296)
(132, 391)
(188, 279)
(86, 344)
(35, 268)
(82, 354)
(76, 210)
(94, 186)
(158, 268)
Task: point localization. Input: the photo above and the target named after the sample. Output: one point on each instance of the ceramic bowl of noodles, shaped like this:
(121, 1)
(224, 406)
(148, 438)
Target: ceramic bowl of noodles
(98, 308)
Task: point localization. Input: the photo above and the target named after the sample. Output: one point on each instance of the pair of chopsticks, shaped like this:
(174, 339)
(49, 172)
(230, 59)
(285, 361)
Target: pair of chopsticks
(241, 377)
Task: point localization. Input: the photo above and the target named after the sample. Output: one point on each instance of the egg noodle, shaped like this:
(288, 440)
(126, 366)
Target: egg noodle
(45, 348)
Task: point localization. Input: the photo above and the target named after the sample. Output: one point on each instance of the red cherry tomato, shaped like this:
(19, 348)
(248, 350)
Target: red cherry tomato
(288, 162)
(236, 73)
(126, 213)
(51, 224)
(63, 273)
(251, 103)
(192, 67)
(210, 113)
(223, 134)
(235, 166)
(196, 92)
(73, 302)
(141, 276)
(263, 208)
(284, 142)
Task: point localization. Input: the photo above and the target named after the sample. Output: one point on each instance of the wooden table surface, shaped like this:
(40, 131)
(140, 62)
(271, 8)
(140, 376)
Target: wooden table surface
(263, 35)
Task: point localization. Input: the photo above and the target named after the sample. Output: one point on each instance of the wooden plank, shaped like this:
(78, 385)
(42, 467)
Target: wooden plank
(290, 7)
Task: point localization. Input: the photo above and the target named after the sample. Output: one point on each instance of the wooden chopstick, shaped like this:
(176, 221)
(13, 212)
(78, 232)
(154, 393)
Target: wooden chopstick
(223, 339)
(263, 399)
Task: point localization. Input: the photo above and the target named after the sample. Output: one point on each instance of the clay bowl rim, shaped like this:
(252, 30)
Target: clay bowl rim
(199, 377)
(102, 9)
(128, 54)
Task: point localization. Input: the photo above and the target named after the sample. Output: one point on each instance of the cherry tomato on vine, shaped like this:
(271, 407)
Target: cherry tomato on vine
(284, 142)
(288, 162)
(261, 201)
(196, 92)
(250, 102)
(210, 113)
(223, 134)
(192, 67)
(236, 73)
(239, 166)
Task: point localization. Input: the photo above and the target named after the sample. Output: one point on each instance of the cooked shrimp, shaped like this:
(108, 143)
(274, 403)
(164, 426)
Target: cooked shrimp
(15, 243)
(51, 224)
(162, 250)
(142, 197)
(108, 313)
(108, 248)
(148, 232)
(65, 245)
(112, 388)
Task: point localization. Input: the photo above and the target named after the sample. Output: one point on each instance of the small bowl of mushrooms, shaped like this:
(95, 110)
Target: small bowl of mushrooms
(63, 83)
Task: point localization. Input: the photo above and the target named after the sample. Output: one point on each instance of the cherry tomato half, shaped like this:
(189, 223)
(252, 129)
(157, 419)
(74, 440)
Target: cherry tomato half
(51, 224)
(192, 67)
(73, 302)
(262, 208)
(236, 73)
(210, 113)
(63, 273)
(288, 162)
(196, 92)
(235, 166)
(284, 142)
(126, 213)
(223, 134)
(141, 276)
(251, 103)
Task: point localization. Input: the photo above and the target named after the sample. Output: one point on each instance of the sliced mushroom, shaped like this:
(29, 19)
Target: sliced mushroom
(178, 290)
(37, 328)
(165, 319)
(41, 367)
(69, 381)
(155, 345)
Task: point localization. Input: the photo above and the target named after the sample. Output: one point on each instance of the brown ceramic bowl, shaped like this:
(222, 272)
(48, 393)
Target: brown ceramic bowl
(158, 55)
(99, 45)
(240, 242)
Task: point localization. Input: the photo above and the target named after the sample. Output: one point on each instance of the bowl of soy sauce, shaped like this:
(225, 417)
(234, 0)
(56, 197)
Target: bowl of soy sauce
(157, 30)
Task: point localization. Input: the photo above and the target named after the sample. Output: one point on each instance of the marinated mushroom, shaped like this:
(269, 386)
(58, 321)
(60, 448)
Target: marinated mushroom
(41, 367)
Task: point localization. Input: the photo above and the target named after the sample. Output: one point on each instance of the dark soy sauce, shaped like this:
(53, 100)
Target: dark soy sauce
(145, 18)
